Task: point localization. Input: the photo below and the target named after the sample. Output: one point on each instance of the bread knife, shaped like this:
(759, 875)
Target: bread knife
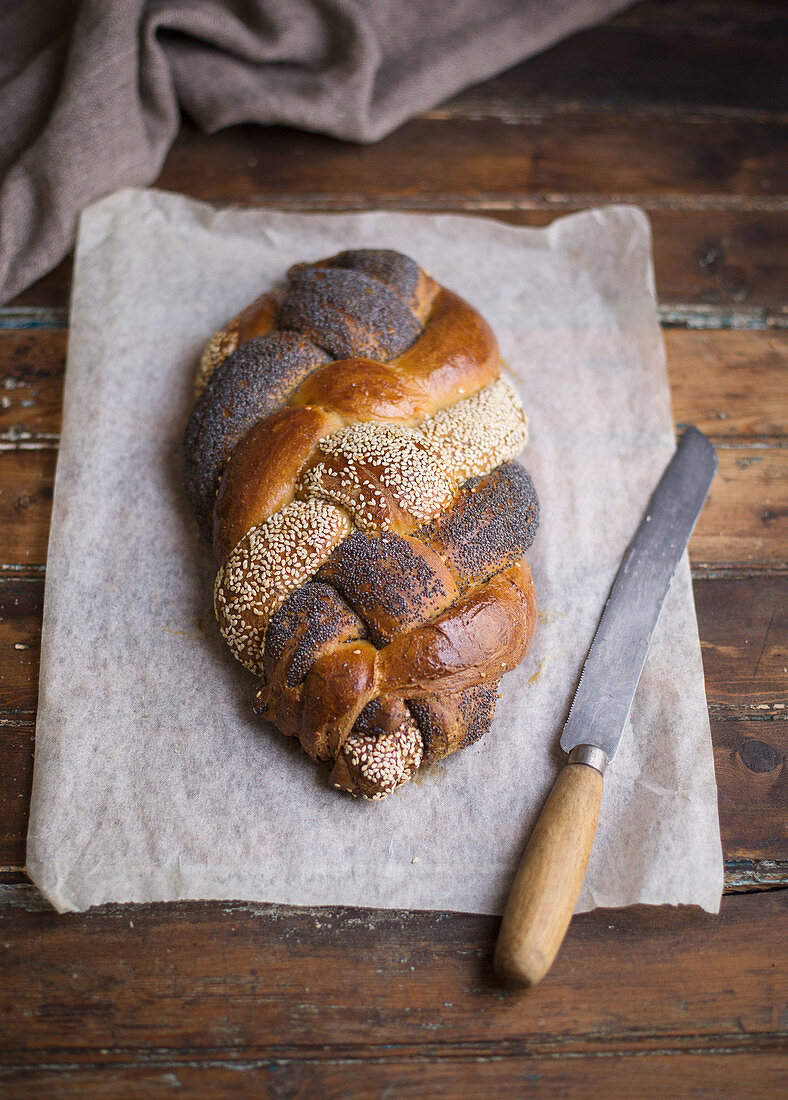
(553, 866)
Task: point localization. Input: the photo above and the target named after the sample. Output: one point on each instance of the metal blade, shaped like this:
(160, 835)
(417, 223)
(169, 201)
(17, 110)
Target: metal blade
(618, 652)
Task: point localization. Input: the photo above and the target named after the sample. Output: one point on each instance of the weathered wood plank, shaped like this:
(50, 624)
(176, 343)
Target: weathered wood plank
(746, 516)
(751, 761)
(129, 979)
(32, 366)
(21, 611)
(579, 159)
(721, 259)
(16, 780)
(26, 481)
(746, 875)
(728, 1073)
(693, 57)
(727, 18)
(743, 628)
(745, 522)
(719, 263)
(731, 385)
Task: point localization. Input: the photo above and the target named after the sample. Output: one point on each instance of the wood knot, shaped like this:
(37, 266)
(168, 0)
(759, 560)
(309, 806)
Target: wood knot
(759, 757)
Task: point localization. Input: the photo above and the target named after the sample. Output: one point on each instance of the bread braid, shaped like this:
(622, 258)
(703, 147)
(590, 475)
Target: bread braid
(350, 455)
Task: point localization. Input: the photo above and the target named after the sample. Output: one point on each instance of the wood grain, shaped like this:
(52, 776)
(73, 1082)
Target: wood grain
(21, 612)
(751, 761)
(132, 979)
(731, 385)
(744, 640)
(579, 159)
(16, 783)
(678, 59)
(32, 367)
(728, 1073)
(729, 19)
(547, 884)
(27, 477)
(745, 519)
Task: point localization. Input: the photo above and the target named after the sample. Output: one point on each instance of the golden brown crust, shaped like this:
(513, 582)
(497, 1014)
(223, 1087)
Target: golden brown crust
(338, 687)
(483, 635)
(361, 389)
(258, 318)
(260, 475)
(250, 384)
(456, 355)
(459, 655)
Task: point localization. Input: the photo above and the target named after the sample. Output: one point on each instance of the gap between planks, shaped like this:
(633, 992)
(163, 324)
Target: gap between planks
(454, 202)
(700, 317)
(701, 571)
(742, 876)
(633, 1045)
(551, 107)
(15, 440)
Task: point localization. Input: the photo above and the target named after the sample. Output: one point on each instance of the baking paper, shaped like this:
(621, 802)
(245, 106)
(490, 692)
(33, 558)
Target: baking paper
(153, 778)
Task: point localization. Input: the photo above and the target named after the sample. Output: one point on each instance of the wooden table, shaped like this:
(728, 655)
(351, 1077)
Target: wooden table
(675, 106)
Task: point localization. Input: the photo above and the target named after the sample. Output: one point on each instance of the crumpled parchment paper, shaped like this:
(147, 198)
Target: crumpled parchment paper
(153, 778)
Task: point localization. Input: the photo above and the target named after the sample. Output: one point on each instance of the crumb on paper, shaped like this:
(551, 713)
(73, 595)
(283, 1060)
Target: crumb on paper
(545, 616)
(539, 670)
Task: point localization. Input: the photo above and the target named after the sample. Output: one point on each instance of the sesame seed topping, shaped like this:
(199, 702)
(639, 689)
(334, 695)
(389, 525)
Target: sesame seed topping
(269, 563)
(221, 344)
(379, 763)
(379, 470)
(481, 432)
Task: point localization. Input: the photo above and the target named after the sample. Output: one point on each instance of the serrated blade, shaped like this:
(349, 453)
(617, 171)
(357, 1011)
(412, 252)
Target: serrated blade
(618, 652)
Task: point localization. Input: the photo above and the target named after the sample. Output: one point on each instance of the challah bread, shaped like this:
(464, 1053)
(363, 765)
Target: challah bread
(350, 455)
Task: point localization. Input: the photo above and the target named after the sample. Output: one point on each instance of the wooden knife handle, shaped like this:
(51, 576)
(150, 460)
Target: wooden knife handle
(549, 877)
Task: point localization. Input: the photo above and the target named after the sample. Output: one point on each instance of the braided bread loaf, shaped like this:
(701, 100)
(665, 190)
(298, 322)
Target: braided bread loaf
(350, 455)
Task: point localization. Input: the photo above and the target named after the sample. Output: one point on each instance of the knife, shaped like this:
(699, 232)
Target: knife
(553, 866)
